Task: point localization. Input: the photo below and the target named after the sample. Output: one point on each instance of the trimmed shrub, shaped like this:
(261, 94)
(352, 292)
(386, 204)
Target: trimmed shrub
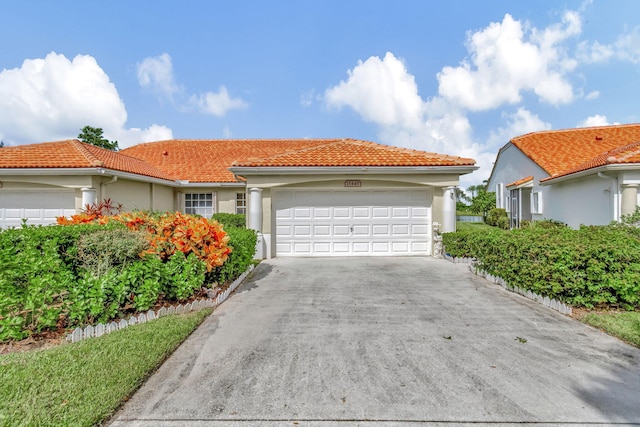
(107, 248)
(231, 220)
(243, 241)
(586, 267)
(497, 217)
(37, 267)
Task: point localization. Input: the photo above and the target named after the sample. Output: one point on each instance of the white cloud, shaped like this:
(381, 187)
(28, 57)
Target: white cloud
(217, 104)
(592, 95)
(625, 48)
(156, 73)
(596, 120)
(519, 123)
(133, 136)
(381, 91)
(306, 98)
(226, 132)
(506, 60)
(52, 98)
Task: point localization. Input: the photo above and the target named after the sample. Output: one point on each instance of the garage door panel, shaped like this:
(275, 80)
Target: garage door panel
(380, 230)
(341, 247)
(400, 247)
(381, 212)
(322, 230)
(400, 230)
(361, 230)
(302, 213)
(343, 223)
(419, 229)
(322, 248)
(322, 213)
(284, 230)
(341, 230)
(361, 212)
(341, 212)
(419, 212)
(302, 230)
(400, 212)
(284, 213)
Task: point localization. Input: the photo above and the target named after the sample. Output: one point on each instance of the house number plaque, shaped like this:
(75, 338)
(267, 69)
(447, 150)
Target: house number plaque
(352, 183)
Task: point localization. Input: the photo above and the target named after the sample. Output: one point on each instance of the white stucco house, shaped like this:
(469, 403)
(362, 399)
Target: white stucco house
(305, 197)
(577, 176)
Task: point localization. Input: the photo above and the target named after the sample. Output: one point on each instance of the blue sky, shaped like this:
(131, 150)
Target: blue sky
(456, 77)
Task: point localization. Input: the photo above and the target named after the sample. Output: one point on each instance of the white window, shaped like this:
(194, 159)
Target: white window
(536, 202)
(199, 203)
(241, 203)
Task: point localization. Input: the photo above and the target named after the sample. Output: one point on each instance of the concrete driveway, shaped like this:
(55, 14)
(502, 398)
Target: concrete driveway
(387, 342)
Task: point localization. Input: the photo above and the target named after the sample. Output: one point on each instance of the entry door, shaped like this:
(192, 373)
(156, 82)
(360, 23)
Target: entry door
(515, 209)
(352, 223)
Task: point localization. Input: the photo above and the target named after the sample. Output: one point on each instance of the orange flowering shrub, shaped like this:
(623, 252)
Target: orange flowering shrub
(169, 233)
(185, 233)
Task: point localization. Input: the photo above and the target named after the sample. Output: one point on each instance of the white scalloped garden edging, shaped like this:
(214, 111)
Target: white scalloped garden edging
(546, 301)
(100, 329)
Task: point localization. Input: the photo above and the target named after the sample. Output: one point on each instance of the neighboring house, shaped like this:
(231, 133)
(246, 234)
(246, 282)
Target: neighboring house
(309, 197)
(577, 176)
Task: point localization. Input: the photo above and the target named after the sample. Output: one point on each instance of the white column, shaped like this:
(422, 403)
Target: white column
(629, 198)
(449, 210)
(255, 209)
(88, 196)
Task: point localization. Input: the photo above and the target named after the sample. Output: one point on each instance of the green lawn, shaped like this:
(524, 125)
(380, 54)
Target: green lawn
(624, 325)
(466, 226)
(83, 384)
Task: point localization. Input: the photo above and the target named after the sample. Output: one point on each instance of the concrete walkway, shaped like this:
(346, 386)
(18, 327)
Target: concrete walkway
(387, 342)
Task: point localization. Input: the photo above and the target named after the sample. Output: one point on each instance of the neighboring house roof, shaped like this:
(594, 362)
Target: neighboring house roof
(563, 152)
(520, 182)
(349, 152)
(74, 154)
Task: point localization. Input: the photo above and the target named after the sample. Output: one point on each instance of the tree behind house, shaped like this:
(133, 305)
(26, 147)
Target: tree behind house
(93, 136)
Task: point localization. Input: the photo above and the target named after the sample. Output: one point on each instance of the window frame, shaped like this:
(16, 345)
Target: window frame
(241, 197)
(536, 202)
(205, 204)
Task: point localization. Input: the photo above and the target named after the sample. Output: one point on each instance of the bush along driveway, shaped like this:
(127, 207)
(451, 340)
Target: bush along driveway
(387, 341)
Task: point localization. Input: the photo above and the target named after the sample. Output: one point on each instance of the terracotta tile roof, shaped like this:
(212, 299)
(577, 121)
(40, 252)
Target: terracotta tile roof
(562, 152)
(74, 154)
(520, 181)
(349, 152)
(209, 160)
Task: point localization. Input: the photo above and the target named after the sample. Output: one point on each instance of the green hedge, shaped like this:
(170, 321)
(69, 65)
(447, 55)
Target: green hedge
(243, 241)
(230, 220)
(586, 267)
(65, 276)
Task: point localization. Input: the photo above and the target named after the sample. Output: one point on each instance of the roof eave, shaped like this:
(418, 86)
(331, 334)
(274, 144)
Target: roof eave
(353, 170)
(605, 168)
(100, 171)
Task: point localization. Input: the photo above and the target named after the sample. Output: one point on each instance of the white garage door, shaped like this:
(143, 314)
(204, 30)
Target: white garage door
(38, 207)
(353, 223)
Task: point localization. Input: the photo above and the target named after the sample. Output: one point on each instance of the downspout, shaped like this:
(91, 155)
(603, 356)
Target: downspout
(616, 197)
(104, 184)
